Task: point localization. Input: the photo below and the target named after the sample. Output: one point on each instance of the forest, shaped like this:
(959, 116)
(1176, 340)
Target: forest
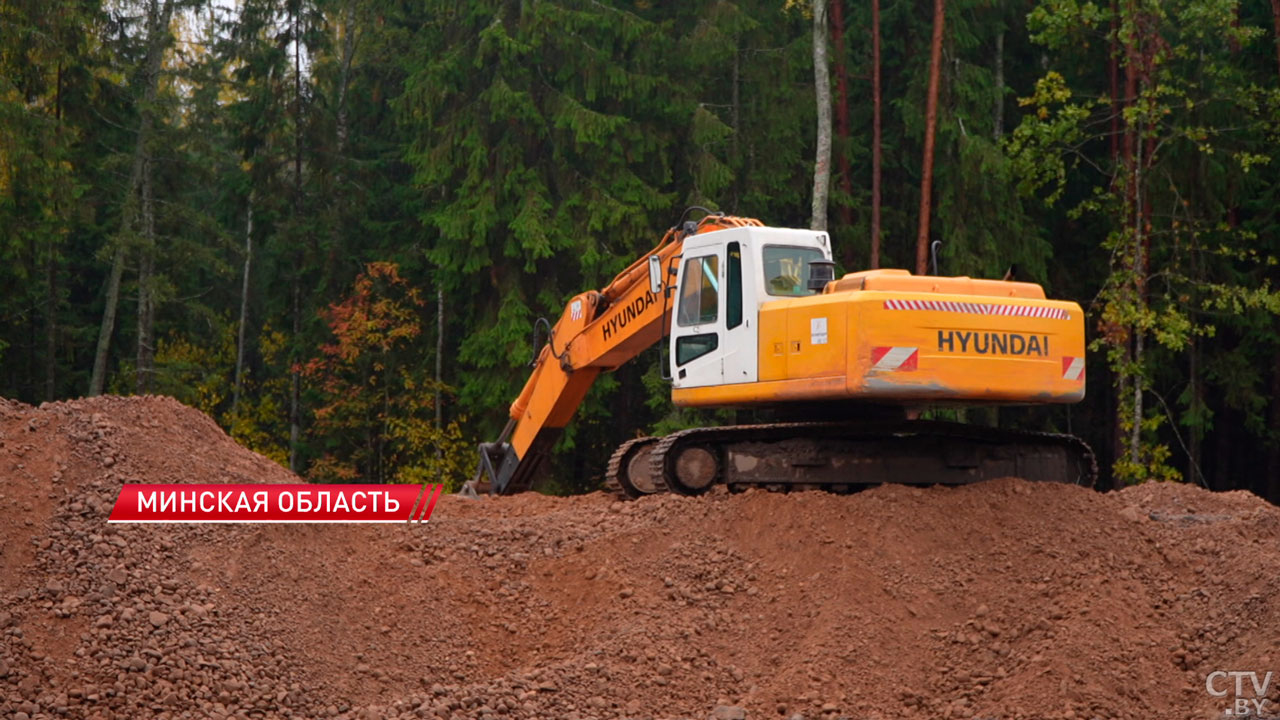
(332, 224)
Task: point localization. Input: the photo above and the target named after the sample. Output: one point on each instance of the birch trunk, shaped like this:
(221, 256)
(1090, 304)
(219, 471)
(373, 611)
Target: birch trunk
(244, 306)
(822, 91)
(842, 114)
(295, 377)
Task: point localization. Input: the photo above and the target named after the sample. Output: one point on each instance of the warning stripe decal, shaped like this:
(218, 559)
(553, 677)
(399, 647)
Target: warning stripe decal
(1072, 368)
(894, 358)
(979, 308)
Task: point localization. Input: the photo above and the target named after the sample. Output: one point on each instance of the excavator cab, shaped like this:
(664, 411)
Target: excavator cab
(722, 280)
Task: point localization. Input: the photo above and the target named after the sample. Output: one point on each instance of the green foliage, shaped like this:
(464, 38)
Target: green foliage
(374, 418)
(259, 421)
(1182, 267)
(1044, 143)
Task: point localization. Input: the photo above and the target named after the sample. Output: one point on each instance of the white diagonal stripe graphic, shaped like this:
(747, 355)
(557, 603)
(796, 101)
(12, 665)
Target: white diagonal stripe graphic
(1074, 369)
(978, 308)
(894, 358)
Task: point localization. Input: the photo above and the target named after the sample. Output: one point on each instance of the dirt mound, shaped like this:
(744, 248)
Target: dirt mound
(1001, 600)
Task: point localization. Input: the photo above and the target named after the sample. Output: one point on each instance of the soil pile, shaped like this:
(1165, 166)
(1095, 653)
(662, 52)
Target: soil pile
(1001, 600)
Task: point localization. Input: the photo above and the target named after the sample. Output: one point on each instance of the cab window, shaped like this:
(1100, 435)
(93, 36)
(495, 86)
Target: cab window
(786, 269)
(692, 347)
(733, 300)
(700, 293)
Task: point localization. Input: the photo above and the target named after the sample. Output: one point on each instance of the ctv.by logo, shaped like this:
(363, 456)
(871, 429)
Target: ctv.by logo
(1219, 684)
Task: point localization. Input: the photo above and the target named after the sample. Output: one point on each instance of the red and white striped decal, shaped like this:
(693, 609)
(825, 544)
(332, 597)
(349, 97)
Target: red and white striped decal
(1072, 368)
(894, 358)
(979, 308)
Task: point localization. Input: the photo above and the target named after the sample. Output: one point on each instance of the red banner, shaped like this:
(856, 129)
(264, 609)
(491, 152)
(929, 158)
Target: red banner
(275, 503)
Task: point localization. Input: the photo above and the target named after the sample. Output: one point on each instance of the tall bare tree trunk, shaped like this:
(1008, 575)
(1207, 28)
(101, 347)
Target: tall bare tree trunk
(875, 134)
(1275, 18)
(1130, 93)
(1272, 491)
(930, 129)
(341, 131)
(295, 384)
(1140, 273)
(348, 56)
(1113, 74)
(51, 278)
(244, 306)
(144, 368)
(842, 114)
(98, 379)
(439, 399)
(295, 377)
(997, 123)
(51, 323)
(822, 91)
(736, 117)
(157, 40)
(1196, 388)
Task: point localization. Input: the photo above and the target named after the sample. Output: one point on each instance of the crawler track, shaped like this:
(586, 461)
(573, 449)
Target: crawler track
(628, 471)
(841, 456)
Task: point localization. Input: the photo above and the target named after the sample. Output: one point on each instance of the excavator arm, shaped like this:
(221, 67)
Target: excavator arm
(598, 330)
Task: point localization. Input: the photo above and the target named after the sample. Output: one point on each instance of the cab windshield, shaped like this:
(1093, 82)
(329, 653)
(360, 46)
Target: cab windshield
(786, 269)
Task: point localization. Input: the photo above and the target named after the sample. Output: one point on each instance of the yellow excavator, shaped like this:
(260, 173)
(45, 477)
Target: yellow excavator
(753, 317)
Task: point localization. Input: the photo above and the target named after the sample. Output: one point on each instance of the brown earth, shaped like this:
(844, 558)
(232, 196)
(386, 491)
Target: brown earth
(1001, 600)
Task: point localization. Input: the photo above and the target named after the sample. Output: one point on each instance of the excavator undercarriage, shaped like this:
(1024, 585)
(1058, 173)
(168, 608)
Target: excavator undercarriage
(843, 456)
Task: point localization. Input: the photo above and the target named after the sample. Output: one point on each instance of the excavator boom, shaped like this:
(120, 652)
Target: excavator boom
(598, 330)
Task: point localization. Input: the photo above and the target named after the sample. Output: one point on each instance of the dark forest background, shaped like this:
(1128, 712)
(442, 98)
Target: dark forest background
(330, 224)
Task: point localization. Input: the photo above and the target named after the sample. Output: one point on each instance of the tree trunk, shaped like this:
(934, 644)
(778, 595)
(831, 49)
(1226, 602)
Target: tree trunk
(822, 91)
(51, 278)
(31, 263)
(1275, 18)
(736, 118)
(439, 399)
(98, 380)
(842, 115)
(875, 134)
(244, 306)
(295, 383)
(157, 41)
(144, 368)
(348, 55)
(51, 323)
(1135, 433)
(997, 123)
(1272, 491)
(295, 378)
(1113, 75)
(1196, 436)
(341, 131)
(1139, 273)
(1130, 91)
(930, 128)
(1116, 408)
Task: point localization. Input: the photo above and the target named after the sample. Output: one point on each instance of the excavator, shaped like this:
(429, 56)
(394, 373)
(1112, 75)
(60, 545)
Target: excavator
(753, 318)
